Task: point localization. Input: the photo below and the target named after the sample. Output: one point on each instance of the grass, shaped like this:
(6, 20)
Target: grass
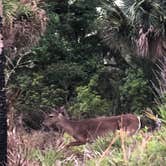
(47, 149)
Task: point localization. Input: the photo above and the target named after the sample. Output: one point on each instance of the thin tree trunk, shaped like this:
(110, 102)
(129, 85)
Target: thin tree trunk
(3, 108)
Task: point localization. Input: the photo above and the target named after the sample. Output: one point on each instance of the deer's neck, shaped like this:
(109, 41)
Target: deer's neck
(67, 125)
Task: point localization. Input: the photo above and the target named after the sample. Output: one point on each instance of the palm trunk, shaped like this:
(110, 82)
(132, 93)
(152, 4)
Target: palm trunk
(3, 108)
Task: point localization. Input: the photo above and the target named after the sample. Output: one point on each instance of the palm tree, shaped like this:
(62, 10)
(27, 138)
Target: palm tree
(138, 28)
(3, 110)
(23, 24)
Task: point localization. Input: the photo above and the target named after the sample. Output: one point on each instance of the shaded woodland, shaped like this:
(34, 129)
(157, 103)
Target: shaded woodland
(96, 58)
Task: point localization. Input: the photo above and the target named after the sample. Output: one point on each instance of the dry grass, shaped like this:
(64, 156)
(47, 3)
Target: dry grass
(47, 149)
(18, 151)
(21, 145)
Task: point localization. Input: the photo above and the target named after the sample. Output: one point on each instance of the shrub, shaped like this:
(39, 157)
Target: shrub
(89, 103)
(135, 91)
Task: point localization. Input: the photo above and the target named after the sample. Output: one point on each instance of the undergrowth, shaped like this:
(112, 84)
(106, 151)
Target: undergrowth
(48, 149)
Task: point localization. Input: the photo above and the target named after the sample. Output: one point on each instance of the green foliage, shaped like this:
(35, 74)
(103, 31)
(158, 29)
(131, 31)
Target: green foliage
(36, 93)
(162, 112)
(13, 9)
(102, 143)
(89, 102)
(105, 162)
(61, 62)
(153, 153)
(139, 150)
(66, 68)
(135, 91)
(77, 17)
(46, 158)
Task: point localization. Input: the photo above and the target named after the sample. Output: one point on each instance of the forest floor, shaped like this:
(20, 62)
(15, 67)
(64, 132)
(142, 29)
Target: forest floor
(40, 148)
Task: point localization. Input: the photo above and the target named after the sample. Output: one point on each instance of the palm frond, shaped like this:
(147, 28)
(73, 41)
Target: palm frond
(117, 24)
(27, 22)
(134, 8)
(146, 11)
(10, 7)
(127, 4)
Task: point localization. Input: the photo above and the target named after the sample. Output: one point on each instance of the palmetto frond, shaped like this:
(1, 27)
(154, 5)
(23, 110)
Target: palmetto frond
(117, 25)
(10, 8)
(150, 16)
(147, 12)
(24, 22)
(140, 23)
(138, 28)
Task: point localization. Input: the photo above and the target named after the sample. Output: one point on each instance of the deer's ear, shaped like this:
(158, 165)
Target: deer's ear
(62, 110)
(60, 115)
(62, 107)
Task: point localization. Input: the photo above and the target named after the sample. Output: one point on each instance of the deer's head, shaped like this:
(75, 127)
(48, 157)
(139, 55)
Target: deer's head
(51, 120)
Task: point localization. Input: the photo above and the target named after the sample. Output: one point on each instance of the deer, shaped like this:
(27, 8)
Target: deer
(86, 130)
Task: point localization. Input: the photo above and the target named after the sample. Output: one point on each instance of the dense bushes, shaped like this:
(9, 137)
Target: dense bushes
(89, 103)
(135, 91)
(67, 68)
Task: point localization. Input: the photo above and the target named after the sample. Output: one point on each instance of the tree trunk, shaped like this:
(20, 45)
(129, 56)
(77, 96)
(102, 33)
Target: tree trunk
(3, 107)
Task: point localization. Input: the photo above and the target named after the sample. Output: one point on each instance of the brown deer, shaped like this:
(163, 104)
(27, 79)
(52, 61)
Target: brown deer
(87, 130)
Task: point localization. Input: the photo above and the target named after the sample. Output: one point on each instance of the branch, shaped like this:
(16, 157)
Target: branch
(16, 66)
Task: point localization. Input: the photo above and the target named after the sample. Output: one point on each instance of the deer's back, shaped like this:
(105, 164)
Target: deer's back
(91, 128)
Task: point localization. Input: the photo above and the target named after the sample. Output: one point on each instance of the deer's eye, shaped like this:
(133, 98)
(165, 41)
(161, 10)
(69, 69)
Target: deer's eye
(51, 116)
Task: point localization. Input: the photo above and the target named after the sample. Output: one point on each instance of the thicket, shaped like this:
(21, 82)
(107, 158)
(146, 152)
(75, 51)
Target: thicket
(94, 57)
(73, 65)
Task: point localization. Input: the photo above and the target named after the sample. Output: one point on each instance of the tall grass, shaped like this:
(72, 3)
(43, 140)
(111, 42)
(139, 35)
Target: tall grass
(47, 149)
